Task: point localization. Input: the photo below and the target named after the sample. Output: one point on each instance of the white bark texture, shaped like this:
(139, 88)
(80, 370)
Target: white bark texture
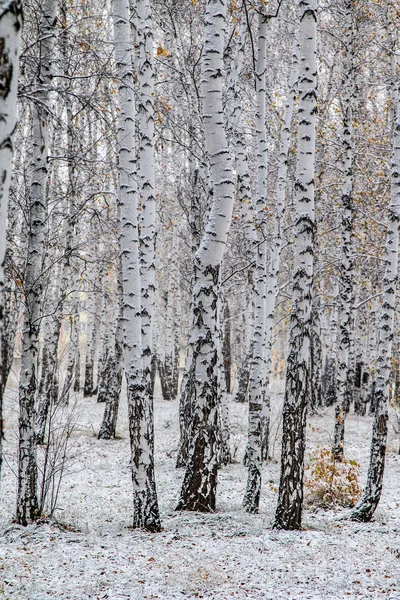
(372, 493)
(145, 94)
(257, 372)
(272, 282)
(290, 498)
(146, 513)
(27, 505)
(200, 481)
(10, 38)
(346, 287)
(235, 131)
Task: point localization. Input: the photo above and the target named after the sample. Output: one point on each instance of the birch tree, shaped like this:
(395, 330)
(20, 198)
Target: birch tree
(199, 486)
(297, 392)
(27, 504)
(10, 38)
(276, 249)
(145, 91)
(145, 505)
(257, 378)
(372, 493)
(346, 286)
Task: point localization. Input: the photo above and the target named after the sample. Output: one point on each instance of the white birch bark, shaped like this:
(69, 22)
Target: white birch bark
(257, 372)
(372, 493)
(346, 287)
(145, 92)
(199, 486)
(235, 131)
(290, 499)
(146, 513)
(10, 38)
(27, 505)
(197, 178)
(272, 283)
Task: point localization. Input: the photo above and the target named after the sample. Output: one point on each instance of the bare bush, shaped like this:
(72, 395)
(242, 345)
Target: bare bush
(55, 456)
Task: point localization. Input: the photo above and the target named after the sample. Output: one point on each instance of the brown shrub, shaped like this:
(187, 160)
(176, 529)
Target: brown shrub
(330, 483)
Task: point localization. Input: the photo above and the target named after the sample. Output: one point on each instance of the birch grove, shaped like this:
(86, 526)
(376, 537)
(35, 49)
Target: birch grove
(199, 213)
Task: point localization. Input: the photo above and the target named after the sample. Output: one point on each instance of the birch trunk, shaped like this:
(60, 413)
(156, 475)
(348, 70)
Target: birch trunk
(346, 288)
(199, 486)
(10, 38)
(329, 380)
(223, 444)
(196, 177)
(316, 358)
(91, 334)
(109, 422)
(145, 91)
(226, 347)
(11, 305)
(272, 283)
(372, 351)
(107, 337)
(372, 493)
(257, 372)
(48, 386)
(72, 354)
(235, 132)
(116, 367)
(145, 504)
(27, 503)
(359, 371)
(290, 499)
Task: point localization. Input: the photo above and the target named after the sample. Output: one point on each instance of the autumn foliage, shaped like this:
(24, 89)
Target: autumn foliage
(330, 483)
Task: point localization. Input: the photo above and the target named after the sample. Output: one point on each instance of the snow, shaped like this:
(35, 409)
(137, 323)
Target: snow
(92, 553)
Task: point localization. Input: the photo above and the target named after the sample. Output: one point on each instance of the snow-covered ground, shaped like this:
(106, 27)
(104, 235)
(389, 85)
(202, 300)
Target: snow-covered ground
(94, 554)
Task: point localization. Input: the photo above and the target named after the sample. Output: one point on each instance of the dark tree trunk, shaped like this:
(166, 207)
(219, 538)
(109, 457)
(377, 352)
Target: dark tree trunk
(165, 374)
(316, 361)
(109, 423)
(198, 491)
(242, 394)
(175, 376)
(358, 376)
(185, 416)
(226, 347)
(329, 387)
(77, 379)
(372, 494)
(337, 448)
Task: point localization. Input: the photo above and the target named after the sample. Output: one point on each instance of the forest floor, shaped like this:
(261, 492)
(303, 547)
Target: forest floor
(92, 553)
